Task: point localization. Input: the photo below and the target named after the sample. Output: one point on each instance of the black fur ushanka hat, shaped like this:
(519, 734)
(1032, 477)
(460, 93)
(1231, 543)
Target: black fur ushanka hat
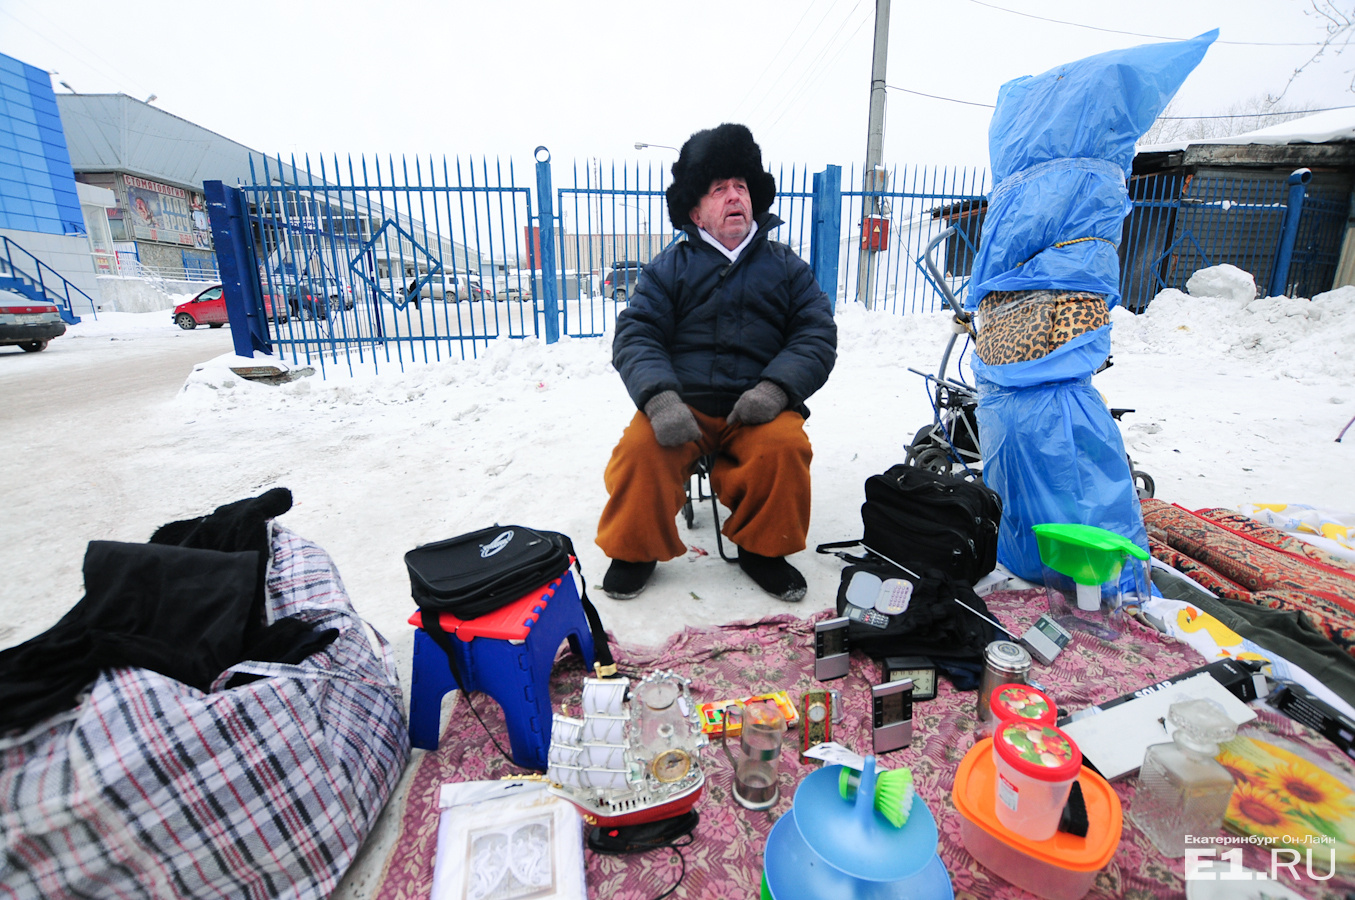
(727, 151)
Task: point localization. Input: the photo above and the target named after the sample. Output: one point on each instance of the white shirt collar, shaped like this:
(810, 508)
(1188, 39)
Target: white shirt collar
(731, 255)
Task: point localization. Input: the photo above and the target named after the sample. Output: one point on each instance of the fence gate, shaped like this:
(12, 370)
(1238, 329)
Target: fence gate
(379, 262)
(614, 219)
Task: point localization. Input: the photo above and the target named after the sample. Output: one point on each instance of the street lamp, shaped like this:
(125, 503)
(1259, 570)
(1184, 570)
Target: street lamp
(640, 212)
(640, 145)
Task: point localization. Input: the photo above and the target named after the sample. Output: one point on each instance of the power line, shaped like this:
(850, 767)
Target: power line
(937, 97)
(768, 93)
(1156, 37)
(812, 70)
(1258, 115)
(1250, 115)
(790, 34)
(64, 45)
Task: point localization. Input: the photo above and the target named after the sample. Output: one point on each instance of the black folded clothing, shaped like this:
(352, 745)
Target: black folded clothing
(188, 605)
(174, 610)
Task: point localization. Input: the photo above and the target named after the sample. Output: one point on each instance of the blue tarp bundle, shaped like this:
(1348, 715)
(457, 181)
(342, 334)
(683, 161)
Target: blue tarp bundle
(1061, 146)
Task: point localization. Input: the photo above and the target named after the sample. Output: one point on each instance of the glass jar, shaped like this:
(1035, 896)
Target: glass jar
(663, 726)
(1183, 790)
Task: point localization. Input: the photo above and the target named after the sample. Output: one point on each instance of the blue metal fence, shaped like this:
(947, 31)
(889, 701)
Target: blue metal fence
(382, 262)
(899, 222)
(1181, 224)
(615, 219)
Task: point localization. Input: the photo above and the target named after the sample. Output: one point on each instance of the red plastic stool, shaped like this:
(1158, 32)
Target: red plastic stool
(507, 654)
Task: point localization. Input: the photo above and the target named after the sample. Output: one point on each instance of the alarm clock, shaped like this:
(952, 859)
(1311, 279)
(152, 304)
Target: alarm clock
(816, 720)
(891, 715)
(832, 655)
(919, 669)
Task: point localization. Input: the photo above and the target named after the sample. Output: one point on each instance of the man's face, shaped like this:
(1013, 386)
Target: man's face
(725, 212)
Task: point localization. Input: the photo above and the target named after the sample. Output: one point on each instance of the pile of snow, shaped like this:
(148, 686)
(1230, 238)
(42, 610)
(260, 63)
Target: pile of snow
(505, 367)
(1222, 281)
(1289, 337)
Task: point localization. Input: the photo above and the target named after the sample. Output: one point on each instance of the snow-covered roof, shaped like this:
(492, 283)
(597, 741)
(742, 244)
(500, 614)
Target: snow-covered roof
(1319, 128)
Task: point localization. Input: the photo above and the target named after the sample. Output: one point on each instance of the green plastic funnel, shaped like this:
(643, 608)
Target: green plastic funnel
(1085, 553)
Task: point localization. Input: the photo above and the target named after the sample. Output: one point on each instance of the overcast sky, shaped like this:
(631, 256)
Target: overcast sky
(590, 78)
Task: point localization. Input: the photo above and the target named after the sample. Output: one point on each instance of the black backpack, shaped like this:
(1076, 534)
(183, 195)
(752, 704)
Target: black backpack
(934, 625)
(924, 520)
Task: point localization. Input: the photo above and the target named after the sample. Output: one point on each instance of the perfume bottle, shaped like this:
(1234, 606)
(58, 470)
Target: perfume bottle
(1182, 789)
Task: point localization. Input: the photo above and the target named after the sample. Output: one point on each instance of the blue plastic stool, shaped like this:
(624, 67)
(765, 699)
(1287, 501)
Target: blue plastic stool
(514, 670)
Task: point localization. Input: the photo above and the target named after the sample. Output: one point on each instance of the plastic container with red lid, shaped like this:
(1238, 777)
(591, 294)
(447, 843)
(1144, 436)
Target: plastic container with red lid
(1036, 765)
(1022, 703)
(1062, 867)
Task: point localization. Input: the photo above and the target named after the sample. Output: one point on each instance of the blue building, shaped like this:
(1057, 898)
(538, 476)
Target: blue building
(40, 201)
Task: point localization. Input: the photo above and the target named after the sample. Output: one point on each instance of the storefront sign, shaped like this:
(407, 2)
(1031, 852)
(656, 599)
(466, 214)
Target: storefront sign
(158, 212)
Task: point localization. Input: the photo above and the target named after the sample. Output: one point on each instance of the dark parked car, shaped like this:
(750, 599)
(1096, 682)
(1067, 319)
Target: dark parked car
(27, 322)
(301, 302)
(346, 292)
(620, 281)
(209, 308)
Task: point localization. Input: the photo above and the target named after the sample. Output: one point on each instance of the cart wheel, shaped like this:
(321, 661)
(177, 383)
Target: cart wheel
(922, 442)
(1144, 484)
(934, 460)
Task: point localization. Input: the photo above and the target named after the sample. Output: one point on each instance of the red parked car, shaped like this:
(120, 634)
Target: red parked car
(209, 308)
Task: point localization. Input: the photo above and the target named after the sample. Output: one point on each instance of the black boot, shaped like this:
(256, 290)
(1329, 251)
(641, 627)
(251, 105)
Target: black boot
(625, 580)
(774, 575)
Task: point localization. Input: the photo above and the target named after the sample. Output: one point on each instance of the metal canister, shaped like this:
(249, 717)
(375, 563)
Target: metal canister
(1003, 663)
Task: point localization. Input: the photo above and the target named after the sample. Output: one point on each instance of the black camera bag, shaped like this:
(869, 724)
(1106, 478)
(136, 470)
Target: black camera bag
(924, 520)
(481, 571)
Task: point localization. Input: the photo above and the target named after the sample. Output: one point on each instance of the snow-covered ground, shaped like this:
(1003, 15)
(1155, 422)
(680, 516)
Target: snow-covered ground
(1236, 401)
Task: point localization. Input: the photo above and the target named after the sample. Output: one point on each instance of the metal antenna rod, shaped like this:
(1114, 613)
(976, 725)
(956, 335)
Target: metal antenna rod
(890, 561)
(956, 599)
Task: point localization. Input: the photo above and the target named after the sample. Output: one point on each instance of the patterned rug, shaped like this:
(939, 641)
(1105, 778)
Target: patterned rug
(742, 658)
(1242, 559)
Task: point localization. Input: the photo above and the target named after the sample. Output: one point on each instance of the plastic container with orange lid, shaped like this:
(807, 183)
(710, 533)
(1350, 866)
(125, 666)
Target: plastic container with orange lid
(1022, 703)
(1062, 867)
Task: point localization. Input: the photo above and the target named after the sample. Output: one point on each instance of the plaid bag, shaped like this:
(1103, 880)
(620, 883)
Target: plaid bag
(151, 788)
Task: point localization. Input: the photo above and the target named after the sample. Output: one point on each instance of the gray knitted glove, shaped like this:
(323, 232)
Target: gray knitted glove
(758, 405)
(673, 422)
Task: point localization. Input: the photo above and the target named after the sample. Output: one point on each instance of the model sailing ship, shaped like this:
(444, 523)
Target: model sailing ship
(634, 756)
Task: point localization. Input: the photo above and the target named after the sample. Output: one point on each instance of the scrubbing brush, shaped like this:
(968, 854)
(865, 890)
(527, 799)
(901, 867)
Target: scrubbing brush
(894, 792)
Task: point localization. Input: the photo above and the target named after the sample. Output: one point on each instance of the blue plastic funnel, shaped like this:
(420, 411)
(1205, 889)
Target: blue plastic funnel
(853, 837)
(795, 872)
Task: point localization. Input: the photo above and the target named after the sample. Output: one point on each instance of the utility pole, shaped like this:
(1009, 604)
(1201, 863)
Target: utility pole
(873, 176)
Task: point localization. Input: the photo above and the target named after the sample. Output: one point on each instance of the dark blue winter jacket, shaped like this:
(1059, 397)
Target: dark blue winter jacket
(710, 329)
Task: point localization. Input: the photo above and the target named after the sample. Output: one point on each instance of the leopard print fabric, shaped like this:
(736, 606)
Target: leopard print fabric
(1016, 326)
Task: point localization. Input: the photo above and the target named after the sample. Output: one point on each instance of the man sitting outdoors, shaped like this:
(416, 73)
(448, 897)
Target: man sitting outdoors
(725, 337)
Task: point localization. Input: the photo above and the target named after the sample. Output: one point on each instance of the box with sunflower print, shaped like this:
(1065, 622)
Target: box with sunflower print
(1288, 800)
